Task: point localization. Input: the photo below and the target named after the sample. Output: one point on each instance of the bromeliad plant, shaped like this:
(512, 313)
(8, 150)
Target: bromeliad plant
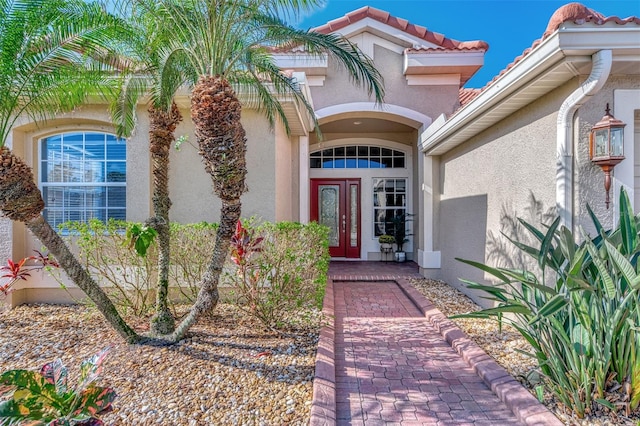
(45, 398)
(13, 272)
(580, 312)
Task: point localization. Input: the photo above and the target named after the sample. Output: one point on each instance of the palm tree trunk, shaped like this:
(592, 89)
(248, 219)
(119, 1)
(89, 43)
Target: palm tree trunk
(21, 200)
(215, 111)
(161, 136)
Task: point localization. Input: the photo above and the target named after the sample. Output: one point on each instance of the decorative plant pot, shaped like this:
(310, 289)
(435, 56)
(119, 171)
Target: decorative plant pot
(401, 256)
(385, 246)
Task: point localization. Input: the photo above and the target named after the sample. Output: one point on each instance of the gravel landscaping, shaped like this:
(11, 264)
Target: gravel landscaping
(230, 371)
(503, 347)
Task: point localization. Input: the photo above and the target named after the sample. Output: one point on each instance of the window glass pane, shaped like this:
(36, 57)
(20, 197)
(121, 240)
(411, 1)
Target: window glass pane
(116, 196)
(339, 152)
(386, 152)
(116, 149)
(118, 214)
(116, 171)
(94, 146)
(327, 164)
(96, 196)
(315, 163)
(100, 214)
(94, 171)
(351, 163)
(51, 147)
(363, 151)
(398, 162)
(387, 162)
(327, 152)
(351, 151)
(374, 151)
(72, 171)
(339, 163)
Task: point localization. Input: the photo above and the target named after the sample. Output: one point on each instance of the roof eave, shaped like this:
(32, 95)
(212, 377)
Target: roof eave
(550, 62)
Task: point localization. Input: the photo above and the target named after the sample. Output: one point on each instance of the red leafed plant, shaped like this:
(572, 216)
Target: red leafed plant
(243, 245)
(12, 272)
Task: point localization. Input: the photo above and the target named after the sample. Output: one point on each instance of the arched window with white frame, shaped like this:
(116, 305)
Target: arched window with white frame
(83, 176)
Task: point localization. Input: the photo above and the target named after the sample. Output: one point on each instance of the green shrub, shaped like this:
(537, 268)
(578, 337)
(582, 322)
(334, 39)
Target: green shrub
(105, 251)
(584, 328)
(45, 398)
(278, 269)
(292, 263)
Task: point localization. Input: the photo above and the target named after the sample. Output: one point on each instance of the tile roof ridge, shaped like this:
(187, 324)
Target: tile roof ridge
(401, 24)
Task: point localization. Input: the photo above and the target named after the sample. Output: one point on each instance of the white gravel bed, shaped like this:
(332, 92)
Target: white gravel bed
(504, 346)
(230, 371)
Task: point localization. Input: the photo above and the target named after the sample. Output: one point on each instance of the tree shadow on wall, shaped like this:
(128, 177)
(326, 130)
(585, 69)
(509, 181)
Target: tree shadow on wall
(503, 253)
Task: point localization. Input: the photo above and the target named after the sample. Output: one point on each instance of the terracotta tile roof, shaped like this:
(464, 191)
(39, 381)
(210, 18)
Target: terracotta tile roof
(401, 24)
(467, 95)
(572, 12)
(443, 50)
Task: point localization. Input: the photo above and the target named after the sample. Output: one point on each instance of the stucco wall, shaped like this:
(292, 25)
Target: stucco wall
(429, 100)
(507, 171)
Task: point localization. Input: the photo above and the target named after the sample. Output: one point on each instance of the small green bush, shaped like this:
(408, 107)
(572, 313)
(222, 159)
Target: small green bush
(584, 328)
(278, 269)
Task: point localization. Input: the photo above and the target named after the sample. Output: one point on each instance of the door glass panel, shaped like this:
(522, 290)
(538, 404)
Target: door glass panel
(329, 206)
(353, 213)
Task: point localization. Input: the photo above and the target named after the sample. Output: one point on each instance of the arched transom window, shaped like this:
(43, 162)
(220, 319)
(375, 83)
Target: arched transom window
(83, 175)
(357, 157)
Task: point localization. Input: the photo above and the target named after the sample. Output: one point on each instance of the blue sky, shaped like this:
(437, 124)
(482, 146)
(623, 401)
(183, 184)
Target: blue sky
(508, 26)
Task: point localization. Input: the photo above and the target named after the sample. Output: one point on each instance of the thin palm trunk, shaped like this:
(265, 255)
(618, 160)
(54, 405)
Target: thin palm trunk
(215, 111)
(21, 200)
(161, 136)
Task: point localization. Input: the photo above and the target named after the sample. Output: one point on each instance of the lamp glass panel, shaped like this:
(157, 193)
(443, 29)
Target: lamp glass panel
(601, 143)
(617, 145)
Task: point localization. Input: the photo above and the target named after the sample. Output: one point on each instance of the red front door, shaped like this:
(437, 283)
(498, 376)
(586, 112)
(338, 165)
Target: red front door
(336, 204)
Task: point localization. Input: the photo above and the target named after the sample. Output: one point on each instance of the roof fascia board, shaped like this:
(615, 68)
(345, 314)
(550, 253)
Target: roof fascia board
(535, 63)
(413, 60)
(301, 60)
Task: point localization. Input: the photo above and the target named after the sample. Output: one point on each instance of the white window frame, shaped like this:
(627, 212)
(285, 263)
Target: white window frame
(83, 210)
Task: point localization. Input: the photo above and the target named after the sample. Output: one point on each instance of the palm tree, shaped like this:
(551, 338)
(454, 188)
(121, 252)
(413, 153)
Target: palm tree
(151, 75)
(46, 48)
(228, 44)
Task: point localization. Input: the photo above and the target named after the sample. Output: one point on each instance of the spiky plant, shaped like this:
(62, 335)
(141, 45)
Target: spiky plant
(228, 44)
(47, 65)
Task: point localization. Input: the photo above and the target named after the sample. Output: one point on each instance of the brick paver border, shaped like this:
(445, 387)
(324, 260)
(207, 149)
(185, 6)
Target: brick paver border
(524, 406)
(323, 407)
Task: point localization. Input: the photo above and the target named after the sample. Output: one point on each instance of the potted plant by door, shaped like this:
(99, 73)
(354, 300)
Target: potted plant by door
(386, 241)
(400, 235)
(386, 246)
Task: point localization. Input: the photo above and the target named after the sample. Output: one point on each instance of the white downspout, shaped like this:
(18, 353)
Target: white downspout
(564, 181)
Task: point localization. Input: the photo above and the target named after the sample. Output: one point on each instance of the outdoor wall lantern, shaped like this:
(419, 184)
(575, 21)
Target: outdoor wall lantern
(606, 146)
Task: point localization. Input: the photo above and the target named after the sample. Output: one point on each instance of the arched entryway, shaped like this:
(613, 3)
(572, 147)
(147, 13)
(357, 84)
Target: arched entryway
(362, 172)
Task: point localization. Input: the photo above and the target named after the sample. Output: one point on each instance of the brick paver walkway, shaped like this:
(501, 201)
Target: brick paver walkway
(393, 367)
